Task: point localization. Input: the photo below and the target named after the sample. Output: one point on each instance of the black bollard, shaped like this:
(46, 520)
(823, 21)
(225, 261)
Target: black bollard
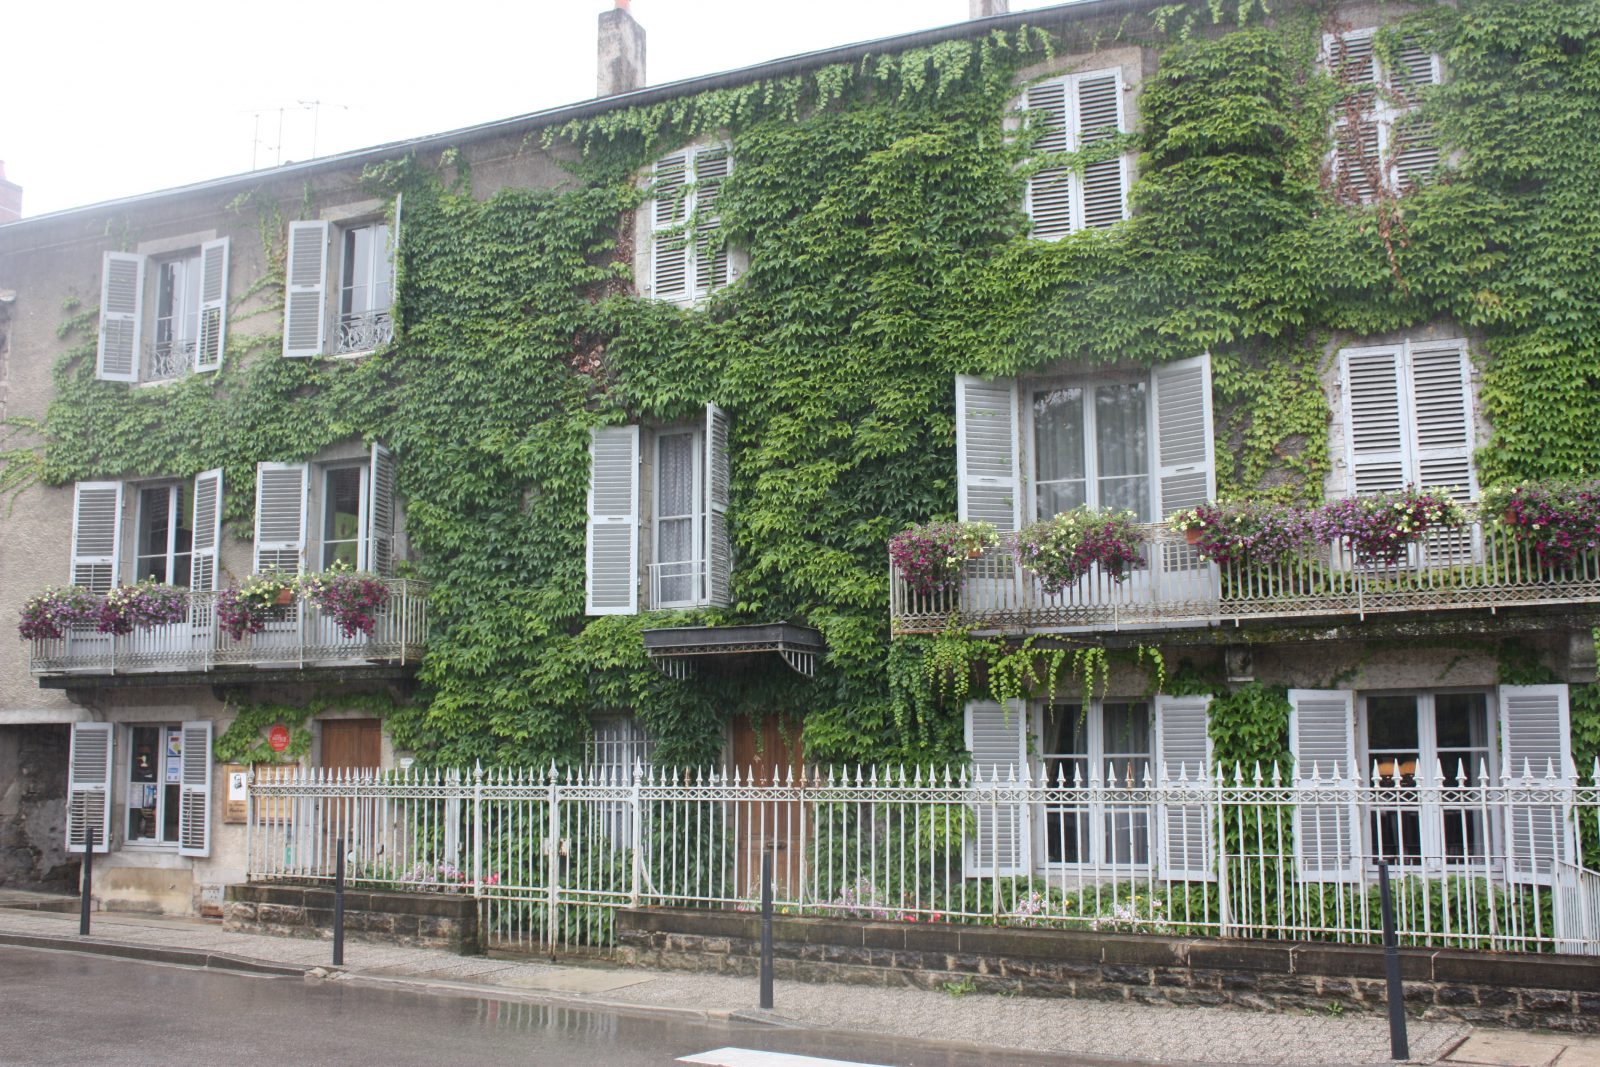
(1399, 1047)
(88, 876)
(766, 928)
(338, 905)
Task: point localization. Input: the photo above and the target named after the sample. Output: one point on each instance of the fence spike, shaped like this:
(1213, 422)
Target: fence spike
(1277, 774)
(1259, 779)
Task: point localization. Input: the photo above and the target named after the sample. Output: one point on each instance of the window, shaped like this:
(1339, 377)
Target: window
(359, 257)
(187, 329)
(1408, 417)
(1377, 142)
(174, 529)
(1076, 113)
(1112, 742)
(164, 778)
(1427, 738)
(326, 513)
(688, 259)
(1091, 446)
(689, 553)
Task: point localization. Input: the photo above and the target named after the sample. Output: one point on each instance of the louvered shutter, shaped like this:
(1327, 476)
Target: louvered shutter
(280, 517)
(89, 785)
(1535, 745)
(997, 739)
(669, 245)
(612, 587)
(1099, 118)
(121, 317)
(1185, 471)
(1049, 202)
(207, 530)
(305, 300)
(213, 305)
(1376, 421)
(380, 513)
(1183, 760)
(1413, 148)
(194, 790)
(1441, 408)
(96, 535)
(1356, 149)
(719, 547)
(711, 167)
(1327, 841)
(988, 487)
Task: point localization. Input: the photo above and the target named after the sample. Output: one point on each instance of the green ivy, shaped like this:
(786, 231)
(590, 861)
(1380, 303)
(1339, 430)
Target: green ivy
(245, 740)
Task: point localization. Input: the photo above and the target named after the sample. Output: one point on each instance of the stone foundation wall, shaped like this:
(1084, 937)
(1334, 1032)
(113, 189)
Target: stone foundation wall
(420, 920)
(33, 808)
(1500, 989)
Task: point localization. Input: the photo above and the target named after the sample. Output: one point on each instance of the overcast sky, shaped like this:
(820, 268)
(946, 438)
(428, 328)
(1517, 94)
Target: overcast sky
(106, 99)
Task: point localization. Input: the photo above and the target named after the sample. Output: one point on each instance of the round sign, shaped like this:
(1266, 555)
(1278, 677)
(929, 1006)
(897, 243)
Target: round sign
(278, 737)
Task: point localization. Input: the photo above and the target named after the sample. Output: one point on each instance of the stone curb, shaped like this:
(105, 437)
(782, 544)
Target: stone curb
(189, 957)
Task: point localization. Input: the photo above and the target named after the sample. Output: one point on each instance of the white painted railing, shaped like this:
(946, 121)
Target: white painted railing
(553, 855)
(1477, 566)
(299, 634)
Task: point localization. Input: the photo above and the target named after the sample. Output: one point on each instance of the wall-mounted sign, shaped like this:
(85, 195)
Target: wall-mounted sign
(236, 809)
(278, 737)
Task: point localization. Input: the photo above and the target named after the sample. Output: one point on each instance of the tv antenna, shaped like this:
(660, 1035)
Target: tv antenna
(256, 144)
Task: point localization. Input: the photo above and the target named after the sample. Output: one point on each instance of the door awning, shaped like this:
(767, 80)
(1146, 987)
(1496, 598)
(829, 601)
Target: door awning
(680, 650)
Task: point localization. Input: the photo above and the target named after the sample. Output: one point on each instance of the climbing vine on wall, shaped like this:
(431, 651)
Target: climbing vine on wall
(879, 206)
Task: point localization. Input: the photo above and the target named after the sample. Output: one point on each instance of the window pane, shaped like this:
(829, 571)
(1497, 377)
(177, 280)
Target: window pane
(1126, 740)
(676, 476)
(155, 517)
(144, 782)
(1122, 447)
(1392, 724)
(356, 278)
(341, 517)
(1461, 720)
(1058, 449)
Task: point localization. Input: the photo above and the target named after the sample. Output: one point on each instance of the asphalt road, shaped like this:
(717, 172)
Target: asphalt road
(79, 1010)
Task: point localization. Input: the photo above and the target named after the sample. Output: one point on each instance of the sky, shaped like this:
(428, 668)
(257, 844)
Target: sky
(103, 99)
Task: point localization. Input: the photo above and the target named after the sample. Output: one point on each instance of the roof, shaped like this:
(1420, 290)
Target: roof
(777, 68)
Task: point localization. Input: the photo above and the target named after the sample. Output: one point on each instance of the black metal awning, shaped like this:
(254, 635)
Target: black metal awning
(678, 650)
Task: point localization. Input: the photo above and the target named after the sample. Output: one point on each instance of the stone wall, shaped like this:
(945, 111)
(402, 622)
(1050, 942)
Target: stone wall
(1501, 989)
(421, 920)
(33, 808)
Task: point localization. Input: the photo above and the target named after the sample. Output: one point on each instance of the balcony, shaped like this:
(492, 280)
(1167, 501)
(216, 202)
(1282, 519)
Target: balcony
(1475, 567)
(298, 635)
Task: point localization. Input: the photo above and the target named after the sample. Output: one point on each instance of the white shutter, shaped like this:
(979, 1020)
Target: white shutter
(719, 547)
(207, 530)
(305, 304)
(1186, 467)
(997, 738)
(1049, 196)
(194, 790)
(669, 245)
(121, 317)
(1535, 744)
(1327, 836)
(1183, 759)
(1353, 64)
(213, 305)
(89, 785)
(612, 586)
(394, 249)
(1098, 109)
(988, 488)
(1413, 149)
(380, 513)
(280, 517)
(711, 167)
(96, 535)
(1376, 424)
(1441, 409)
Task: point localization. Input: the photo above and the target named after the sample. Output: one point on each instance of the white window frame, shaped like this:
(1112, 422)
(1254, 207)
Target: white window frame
(174, 490)
(185, 340)
(322, 471)
(697, 577)
(1027, 387)
(1431, 814)
(376, 324)
(1072, 137)
(1387, 111)
(1097, 811)
(125, 777)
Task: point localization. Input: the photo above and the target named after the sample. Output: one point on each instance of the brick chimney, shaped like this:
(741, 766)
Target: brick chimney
(982, 9)
(621, 52)
(10, 197)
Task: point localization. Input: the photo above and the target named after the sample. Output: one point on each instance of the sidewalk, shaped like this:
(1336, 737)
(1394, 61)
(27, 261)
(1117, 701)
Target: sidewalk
(1089, 1028)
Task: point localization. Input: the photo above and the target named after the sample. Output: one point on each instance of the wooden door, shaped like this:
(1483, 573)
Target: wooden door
(769, 752)
(352, 746)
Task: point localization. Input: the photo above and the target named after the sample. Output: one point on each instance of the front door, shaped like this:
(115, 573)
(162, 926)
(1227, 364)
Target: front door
(768, 752)
(353, 748)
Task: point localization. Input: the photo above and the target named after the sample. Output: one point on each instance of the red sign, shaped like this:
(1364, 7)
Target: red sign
(278, 737)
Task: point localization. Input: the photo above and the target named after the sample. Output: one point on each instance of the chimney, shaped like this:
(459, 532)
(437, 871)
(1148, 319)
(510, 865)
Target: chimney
(10, 198)
(621, 52)
(982, 9)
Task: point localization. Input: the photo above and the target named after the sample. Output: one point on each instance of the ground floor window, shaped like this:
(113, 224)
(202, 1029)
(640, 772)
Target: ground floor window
(155, 780)
(1418, 747)
(1107, 743)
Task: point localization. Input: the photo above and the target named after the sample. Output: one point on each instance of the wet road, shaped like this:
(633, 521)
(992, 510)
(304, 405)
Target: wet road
(79, 1010)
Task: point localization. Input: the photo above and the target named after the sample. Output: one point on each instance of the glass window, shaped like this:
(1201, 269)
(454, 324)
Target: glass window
(1058, 432)
(366, 288)
(1115, 738)
(1122, 448)
(341, 517)
(1091, 446)
(1418, 747)
(677, 563)
(177, 322)
(155, 766)
(166, 534)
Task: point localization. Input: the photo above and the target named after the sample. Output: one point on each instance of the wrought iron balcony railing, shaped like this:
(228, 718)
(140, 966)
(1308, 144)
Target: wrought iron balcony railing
(300, 634)
(364, 331)
(1478, 566)
(165, 360)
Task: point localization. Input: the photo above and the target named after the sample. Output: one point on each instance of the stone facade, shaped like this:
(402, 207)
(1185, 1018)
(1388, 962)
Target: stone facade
(1527, 991)
(33, 809)
(416, 920)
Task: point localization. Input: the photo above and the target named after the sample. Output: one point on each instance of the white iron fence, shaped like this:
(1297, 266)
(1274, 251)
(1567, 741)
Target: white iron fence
(1480, 565)
(1499, 865)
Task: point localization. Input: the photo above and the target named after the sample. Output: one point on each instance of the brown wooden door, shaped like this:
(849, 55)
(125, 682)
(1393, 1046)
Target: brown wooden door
(352, 744)
(769, 752)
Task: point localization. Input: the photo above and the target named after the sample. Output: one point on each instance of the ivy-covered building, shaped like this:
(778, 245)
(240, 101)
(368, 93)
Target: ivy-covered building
(612, 411)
